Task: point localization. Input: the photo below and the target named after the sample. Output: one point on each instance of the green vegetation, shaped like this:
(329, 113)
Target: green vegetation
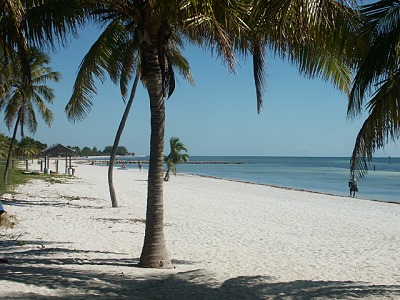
(18, 176)
(376, 86)
(175, 156)
(29, 148)
(22, 99)
(15, 177)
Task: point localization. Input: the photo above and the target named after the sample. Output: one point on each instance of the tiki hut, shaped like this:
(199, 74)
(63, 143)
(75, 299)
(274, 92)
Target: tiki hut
(58, 150)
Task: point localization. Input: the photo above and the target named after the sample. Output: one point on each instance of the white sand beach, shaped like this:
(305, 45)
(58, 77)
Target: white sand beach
(227, 240)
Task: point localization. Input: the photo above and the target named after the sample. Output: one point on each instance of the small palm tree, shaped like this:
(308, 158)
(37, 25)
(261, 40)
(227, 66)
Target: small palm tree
(23, 98)
(175, 156)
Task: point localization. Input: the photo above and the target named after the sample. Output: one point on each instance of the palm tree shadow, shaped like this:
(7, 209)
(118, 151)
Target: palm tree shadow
(262, 287)
(95, 281)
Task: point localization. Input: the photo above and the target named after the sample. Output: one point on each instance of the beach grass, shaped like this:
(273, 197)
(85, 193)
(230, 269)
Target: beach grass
(18, 176)
(15, 177)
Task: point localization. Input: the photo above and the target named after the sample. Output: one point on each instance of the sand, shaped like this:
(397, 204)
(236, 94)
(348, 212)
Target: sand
(226, 239)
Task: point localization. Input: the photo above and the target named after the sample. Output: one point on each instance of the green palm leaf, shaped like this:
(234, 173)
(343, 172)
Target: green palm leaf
(378, 76)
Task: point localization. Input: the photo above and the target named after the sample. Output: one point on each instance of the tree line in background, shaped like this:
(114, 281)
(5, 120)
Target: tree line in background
(31, 148)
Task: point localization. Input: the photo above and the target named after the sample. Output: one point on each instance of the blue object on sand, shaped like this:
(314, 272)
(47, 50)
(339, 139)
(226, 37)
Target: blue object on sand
(1, 209)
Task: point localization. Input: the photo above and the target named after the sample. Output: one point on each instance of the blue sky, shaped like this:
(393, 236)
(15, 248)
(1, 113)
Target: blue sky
(217, 116)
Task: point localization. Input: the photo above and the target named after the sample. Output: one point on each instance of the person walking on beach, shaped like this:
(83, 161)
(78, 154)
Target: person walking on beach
(140, 166)
(353, 186)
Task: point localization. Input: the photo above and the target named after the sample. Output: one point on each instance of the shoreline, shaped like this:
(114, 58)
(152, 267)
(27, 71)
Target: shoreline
(322, 175)
(287, 188)
(226, 239)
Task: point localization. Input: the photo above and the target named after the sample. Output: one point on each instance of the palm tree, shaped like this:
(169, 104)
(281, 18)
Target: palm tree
(378, 77)
(113, 195)
(42, 24)
(175, 156)
(20, 104)
(304, 32)
(116, 53)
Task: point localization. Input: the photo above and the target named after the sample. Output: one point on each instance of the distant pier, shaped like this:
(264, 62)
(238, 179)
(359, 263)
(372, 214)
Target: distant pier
(203, 162)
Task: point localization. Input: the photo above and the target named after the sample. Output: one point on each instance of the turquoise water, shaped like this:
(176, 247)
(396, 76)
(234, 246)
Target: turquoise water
(320, 174)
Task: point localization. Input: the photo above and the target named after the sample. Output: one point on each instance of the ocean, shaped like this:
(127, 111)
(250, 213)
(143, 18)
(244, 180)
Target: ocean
(319, 174)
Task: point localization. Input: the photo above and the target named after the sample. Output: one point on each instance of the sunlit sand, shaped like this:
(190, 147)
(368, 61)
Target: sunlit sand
(227, 240)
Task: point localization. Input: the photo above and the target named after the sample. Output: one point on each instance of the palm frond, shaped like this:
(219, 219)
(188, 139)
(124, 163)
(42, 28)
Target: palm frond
(94, 64)
(12, 108)
(45, 113)
(321, 43)
(43, 91)
(381, 126)
(29, 119)
(52, 22)
(383, 56)
(259, 72)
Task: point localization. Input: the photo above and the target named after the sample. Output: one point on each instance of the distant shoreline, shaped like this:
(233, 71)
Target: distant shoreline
(287, 188)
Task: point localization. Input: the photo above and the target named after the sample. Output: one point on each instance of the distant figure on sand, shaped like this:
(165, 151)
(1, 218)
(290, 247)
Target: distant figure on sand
(353, 186)
(140, 166)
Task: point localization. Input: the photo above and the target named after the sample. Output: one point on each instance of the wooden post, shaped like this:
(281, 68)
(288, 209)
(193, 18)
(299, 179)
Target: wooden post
(66, 163)
(26, 164)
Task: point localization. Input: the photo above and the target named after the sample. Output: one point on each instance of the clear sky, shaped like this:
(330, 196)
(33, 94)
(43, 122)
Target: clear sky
(217, 116)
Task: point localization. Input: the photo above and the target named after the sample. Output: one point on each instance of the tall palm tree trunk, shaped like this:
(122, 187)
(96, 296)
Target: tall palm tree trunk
(14, 137)
(114, 150)
(154, 252)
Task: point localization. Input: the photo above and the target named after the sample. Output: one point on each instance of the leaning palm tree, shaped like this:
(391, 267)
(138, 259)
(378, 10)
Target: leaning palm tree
(378, 77)
(21, 102)
(113, 195)
(175, 156)
(304, 32)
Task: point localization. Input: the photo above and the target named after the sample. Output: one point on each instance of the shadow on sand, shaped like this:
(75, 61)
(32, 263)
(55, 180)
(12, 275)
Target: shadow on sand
(37, 268)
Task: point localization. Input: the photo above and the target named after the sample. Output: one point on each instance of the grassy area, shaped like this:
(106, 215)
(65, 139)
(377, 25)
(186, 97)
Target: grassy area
(18, 176)
(15, 177)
